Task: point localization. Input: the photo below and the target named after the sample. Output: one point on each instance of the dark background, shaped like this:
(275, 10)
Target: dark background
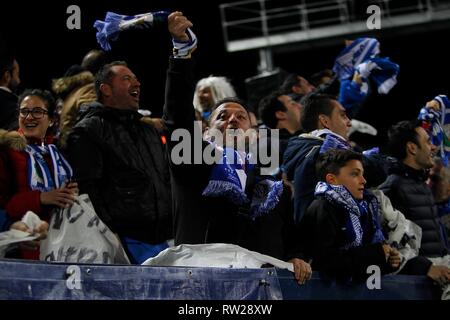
(45, 48)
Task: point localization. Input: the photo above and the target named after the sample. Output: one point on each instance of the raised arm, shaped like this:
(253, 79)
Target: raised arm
(178, 108)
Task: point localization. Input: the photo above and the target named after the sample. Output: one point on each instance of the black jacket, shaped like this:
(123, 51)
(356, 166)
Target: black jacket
(299, 165)
(121, 164)
(200, 219)
(410, 194)
(8, 111)
(323, 238)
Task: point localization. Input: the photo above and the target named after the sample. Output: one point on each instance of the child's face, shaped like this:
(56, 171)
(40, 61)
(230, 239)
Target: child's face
(351, 176)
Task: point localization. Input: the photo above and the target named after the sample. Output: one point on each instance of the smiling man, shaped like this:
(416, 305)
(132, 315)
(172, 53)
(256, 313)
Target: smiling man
(224, 201)
(119, 160)
(118, 87)
(408, 191)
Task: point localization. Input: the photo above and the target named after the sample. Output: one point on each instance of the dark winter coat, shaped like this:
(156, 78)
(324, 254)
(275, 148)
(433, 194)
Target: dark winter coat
(199, 219)
(324, 237)
(120, 162)
(408, 192)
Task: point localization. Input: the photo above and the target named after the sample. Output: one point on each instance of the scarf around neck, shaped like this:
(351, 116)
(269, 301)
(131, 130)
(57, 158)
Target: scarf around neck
(358, 211)
(228, 180)
(39, 176)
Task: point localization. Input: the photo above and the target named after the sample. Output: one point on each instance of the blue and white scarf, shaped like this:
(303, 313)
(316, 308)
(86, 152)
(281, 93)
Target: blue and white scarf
(333, 141)
(339, 196)
(371, 152)
(114, 23)
(350, 94)
(228, 177)
(361, 57)
(359, 51)
(228, 180)
(438, 123)
(266, 195)
(39, 176)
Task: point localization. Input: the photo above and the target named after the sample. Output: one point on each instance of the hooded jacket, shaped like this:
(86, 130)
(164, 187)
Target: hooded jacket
(75, 91)
(299, 165)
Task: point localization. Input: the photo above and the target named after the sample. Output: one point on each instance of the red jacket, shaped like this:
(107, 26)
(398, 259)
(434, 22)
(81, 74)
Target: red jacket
(23, 198)
(16, 195)
(5, 177)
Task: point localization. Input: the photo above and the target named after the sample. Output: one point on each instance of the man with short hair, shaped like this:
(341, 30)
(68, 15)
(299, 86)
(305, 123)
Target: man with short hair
(213, 201)
(280, 111)
(94, 60)
(322, 116)
(407, 189)
(9, 81)
(296, 87)
(120, 161)
(327, 124)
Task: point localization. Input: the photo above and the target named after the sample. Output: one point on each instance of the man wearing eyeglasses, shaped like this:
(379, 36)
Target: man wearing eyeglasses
(9, 81)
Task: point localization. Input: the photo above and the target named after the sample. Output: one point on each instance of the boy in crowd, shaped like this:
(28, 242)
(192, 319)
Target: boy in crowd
(341, 226)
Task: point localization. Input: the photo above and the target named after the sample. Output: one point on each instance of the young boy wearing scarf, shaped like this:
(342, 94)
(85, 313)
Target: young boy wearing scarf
(343, 230)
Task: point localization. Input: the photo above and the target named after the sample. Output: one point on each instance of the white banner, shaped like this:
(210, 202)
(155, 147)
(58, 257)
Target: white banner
(76, 234)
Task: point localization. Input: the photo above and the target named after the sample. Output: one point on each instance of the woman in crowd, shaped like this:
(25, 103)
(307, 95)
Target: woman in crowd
(39, 178)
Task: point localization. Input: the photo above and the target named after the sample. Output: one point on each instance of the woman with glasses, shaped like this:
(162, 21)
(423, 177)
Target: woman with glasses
(39, 173)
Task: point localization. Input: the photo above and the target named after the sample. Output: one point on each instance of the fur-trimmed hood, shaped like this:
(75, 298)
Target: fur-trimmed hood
(65, 85)
(12, 139)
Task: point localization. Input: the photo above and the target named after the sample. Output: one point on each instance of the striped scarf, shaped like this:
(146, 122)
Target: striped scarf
(333, 141)
(437, 124)
(360, 57)
(39, 176)
(114, 23)
(357, 233)
(356, 53)
(228, 177)
(228, 181)
(382, 71)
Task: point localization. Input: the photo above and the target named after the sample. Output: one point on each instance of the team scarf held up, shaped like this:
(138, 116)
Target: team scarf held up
(109, 30)
(228, 180)
(361, 57)
(357, 233)
(114, 23)
(435, 122)
(39, 176)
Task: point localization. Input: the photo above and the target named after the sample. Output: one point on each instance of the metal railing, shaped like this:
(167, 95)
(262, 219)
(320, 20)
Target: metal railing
(265, 23)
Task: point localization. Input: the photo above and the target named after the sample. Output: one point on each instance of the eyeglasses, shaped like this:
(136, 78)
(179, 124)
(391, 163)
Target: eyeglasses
(36, 113)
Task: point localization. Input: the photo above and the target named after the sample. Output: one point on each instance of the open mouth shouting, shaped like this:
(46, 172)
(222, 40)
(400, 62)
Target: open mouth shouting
(135, 93)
